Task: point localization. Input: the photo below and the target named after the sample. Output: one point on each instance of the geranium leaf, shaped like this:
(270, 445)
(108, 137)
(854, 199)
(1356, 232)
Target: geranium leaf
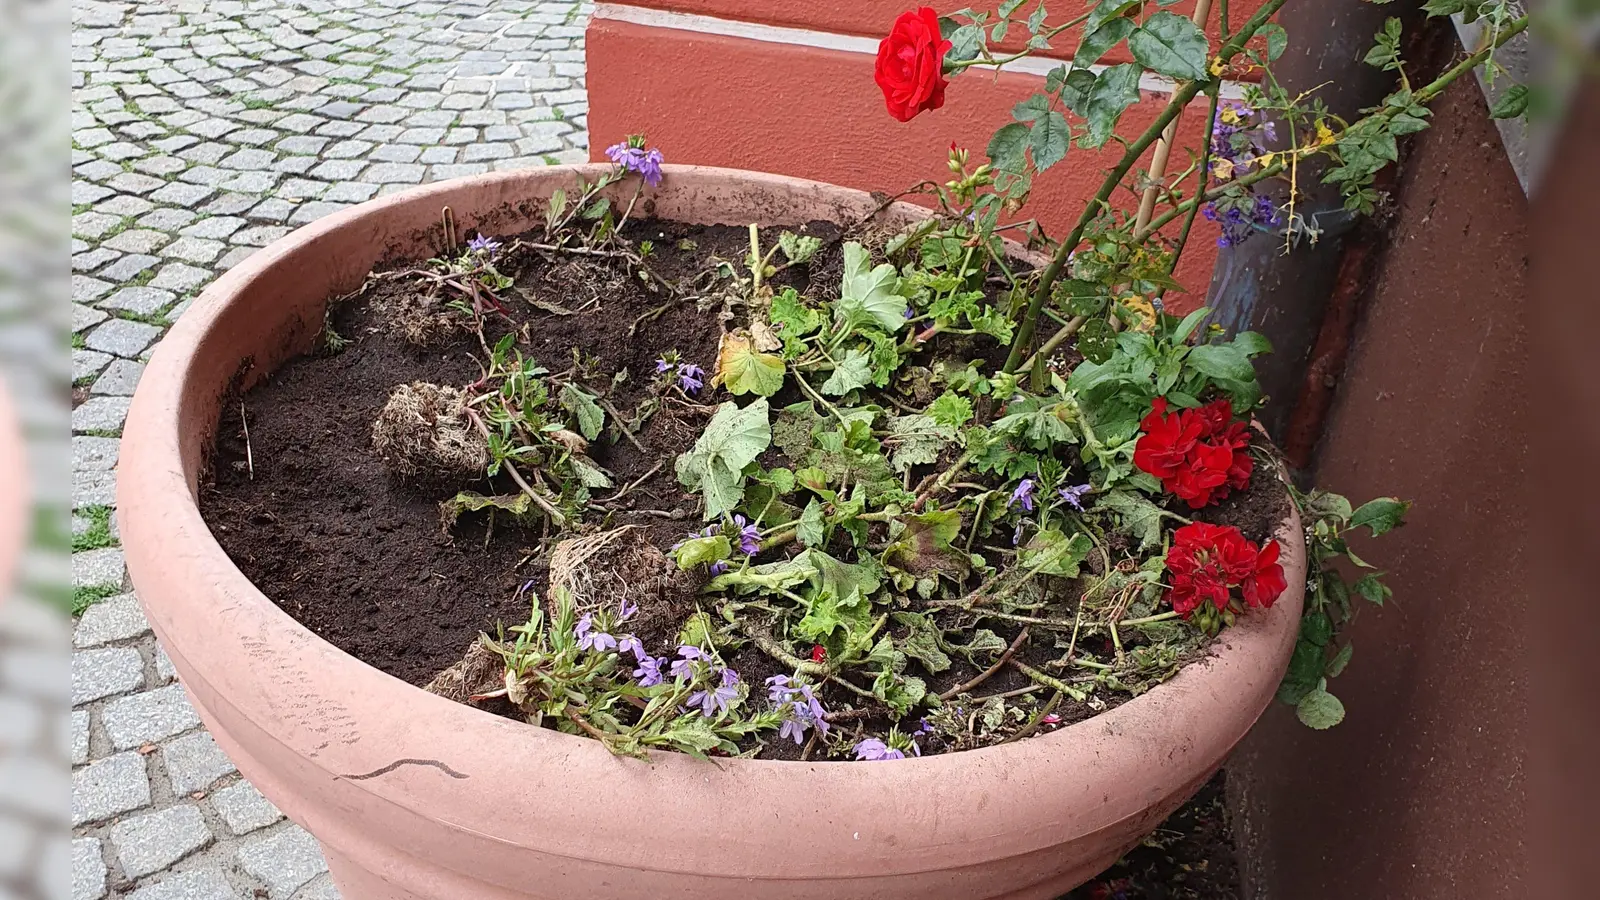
(853, 372)
(1171, 45)
(714, 466)
(867, 294)
(812, 529)
(1140, 518)
(1320, 710)
(702, 551)
(1051, 552)
(951, 409)
(917, 440)
(744, 370)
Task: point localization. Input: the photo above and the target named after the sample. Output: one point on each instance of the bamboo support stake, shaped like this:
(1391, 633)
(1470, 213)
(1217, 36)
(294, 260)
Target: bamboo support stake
(1158, 159)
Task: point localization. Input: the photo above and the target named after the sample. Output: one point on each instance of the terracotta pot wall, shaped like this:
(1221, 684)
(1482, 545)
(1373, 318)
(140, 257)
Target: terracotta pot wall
(787, 88)
(1420, 793)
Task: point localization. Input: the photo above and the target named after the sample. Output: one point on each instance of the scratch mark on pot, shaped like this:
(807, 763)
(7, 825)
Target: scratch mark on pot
(406, 762)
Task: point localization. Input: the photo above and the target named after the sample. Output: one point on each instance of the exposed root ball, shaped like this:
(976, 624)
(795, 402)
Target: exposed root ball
(421, 320)
(480, 671)
(604, 569)
(424, 433)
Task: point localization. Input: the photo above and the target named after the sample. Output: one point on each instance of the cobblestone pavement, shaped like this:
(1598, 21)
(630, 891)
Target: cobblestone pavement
(201, 132)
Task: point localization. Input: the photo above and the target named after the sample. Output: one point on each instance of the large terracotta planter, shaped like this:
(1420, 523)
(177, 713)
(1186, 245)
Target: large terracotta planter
(413, 796)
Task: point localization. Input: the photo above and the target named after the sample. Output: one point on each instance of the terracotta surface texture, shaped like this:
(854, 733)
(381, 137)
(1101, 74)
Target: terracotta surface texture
(756, 105)
(413, 796)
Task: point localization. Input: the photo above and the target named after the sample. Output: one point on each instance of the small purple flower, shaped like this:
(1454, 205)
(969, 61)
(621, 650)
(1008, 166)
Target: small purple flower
(794, 728)
(749, 536)
(874, 749)
(718, 567)
(627, 610)
(1074, 495)
(591, 640)
(1023, 495)
(637, 159)
(924, 727)
(717, 699)
(630, 644)
(691, 378)
(648, 674)
(662, 366)
(779, 688)
(483, 244)
(687, 654)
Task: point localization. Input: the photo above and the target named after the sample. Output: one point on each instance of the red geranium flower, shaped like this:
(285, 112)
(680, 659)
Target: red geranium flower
(1206, 561)
(1199, 454)
(910, 68)
(818, 653)
(1266, 580)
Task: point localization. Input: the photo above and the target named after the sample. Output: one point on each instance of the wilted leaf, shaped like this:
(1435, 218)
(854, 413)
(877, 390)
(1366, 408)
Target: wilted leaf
(853, 372)
(1320, 710)
(867, 294)
(742, 369)
(1140, 518)
(715, 465)
(1380, 515)
(1051, 552)
(591, 418)
(917, 440)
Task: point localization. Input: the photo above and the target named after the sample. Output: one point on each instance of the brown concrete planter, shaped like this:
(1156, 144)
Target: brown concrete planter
(413, 796)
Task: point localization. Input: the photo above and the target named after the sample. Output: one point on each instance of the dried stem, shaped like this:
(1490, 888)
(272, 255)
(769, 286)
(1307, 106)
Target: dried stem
(984, 675)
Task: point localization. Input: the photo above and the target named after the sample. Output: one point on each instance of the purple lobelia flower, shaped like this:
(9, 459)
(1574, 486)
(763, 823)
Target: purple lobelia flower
(634, 158)
(687, 654)
(1023, 495)
(749, 536)
(662, 366)
(483, 244)
(631, 644)
(874, 749)
(779, 688)
(648, 674)
(1074, 495)
(591, 640)
(714, 700)
(627, 610)
(691, 378)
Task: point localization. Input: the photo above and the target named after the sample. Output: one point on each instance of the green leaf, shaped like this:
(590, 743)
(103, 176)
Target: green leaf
(965, 41)
(1252, 343)
(1095, 44)
(1189, 324)
(1380, 515)
(853, 372)
(830, 613)
(1008, 148)
(798, 248)
(1222, 361)
(868, 294)
(1106, 11)
(1076, 86)
(951, 409)
(1009, 7)
(1096, 340)
(1171, 45)
(702, 551)
(1277, 39)
(1051, 552)
(518, 505)
(922, 642)
(1512, 103)
(1048, 139)
(1316, 628)
(591, 418)
(1320, 710)
(1030, 109)
(1371, 587)
(745, 370)
(811, 529)
(1116, 89)
(715, 464)
(590, 474)
(1141, 519)
(1341, 659)
(791, 317)
(917, 440)
(1036, 19)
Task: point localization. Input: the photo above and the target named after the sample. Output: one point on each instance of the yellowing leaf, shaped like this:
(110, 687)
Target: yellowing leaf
(742, 369)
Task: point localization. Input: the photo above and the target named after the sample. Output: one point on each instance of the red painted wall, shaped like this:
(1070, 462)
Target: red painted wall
(814, 113)
(872, 18)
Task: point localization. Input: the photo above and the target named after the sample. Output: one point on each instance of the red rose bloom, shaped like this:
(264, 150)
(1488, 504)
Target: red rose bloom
(1199, 454)
(910, 67)
(1266, 579)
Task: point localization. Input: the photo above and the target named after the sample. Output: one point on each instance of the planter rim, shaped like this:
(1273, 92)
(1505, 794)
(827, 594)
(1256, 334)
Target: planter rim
(342, 723)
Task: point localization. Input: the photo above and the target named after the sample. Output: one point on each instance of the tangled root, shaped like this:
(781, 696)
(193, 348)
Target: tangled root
(421, 321)
(480, 671)
(608, 568)
(425, 433)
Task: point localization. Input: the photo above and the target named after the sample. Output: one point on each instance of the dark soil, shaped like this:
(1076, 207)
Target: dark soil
(1190, 856)
(309, 513)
